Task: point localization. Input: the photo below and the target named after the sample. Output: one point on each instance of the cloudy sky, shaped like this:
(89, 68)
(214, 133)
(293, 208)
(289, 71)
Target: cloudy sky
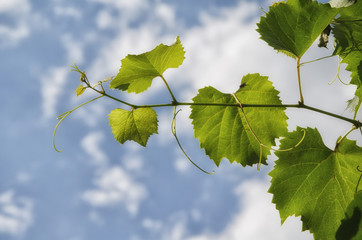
(98, 189)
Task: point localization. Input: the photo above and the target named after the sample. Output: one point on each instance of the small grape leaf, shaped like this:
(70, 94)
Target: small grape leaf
(138, 71)
(315, 182)
(80, 90)
(223, 132)
(292, 27)
(351, 227)
(137, 125)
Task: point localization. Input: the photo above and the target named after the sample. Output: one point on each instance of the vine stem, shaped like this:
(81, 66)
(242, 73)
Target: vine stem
(299, 81)
(103, 93)
(174, 102)
(356, 123)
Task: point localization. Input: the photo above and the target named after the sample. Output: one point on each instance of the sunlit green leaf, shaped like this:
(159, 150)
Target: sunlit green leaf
(137, 125)
(315, 182)
(223, 132)
(348, 34)
(138, 71)
(293, 26)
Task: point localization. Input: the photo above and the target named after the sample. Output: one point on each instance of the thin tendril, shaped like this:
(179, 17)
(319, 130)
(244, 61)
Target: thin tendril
(360, 177)
(288, 149)
(64, 115)
(337, 74)
(55, 130)
(173, 130)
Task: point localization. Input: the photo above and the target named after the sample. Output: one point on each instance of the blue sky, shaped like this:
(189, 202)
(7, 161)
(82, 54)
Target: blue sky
(98, 189)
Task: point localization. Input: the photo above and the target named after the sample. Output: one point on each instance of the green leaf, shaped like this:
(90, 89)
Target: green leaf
(138, 71)
(137, 125)
(292, 27)
(80, 90)
(351, 227)
(348, 34)
(314, 181)
(223, 132)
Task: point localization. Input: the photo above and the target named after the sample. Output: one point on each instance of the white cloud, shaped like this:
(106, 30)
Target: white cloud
(182, 165)
(256, 219)
(224, 48)
(165, 13)
(116, 186)
(19, 22)
(53, 82)
(74, 49)
(104, 19)
(63, 11)
(152, 225)
(124, 5)
(14, 6)
(16, 213)
(128, 11)
(23, 177)
(257, 212)
(18, 12)
(133, 162)
(91, 145)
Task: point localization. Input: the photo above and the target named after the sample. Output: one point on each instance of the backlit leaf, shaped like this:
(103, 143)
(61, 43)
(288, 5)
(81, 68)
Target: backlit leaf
(223, 132)
(293, 26)
(315, 182)
(138, 71)
(348, 34)
(136, 125)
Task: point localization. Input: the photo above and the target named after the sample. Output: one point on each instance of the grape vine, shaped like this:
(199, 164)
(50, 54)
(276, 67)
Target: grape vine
(310, 180)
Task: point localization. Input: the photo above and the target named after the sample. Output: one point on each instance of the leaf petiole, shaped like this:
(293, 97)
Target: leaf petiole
(169, 89)
(299, 82)
(345, 135)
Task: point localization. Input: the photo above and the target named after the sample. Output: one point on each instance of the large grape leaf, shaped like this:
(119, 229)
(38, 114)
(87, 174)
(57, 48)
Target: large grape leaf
(292, 27)
(137, 125)
(223, 132)
(347, 31)
(315, 182)
(351, 227)
(138, 71)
